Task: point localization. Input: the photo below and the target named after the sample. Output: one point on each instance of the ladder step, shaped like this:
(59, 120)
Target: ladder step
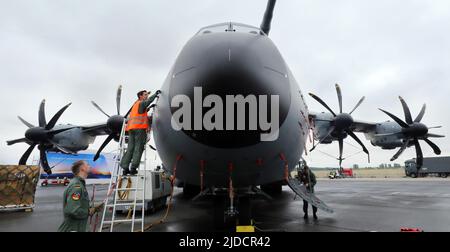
(123, 221)
(132, 176)
(129, 189)
(126, 204)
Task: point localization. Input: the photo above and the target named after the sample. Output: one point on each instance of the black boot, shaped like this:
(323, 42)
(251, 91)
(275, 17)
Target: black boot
(305, 216)
(125, 172)
(133, 171)
(315, 212)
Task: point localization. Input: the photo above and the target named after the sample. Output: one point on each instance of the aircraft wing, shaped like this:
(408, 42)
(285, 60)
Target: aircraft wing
(364, 127)
(96, 129)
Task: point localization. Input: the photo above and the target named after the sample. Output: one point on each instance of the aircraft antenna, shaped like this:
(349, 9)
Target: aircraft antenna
(267, 20)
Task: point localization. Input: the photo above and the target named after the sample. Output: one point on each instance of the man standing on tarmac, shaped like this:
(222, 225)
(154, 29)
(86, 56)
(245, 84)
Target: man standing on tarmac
(76, 201)
(137, 127)
(308, 178)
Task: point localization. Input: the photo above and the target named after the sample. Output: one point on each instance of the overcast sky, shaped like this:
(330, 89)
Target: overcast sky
(77, 51)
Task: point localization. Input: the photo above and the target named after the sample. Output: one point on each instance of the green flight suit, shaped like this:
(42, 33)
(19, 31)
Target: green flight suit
(308, 178)
(76, 207)
(311, 181)
(137, 139)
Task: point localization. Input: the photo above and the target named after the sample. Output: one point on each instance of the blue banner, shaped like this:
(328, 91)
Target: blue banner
(61, 165)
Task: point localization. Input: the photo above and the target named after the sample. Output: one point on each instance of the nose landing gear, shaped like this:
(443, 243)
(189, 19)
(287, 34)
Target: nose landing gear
(228, 215)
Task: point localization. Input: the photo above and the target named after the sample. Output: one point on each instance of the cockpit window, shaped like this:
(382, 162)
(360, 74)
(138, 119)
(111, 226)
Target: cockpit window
(230, 27)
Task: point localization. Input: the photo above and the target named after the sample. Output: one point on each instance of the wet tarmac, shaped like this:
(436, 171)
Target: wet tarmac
(359, 205)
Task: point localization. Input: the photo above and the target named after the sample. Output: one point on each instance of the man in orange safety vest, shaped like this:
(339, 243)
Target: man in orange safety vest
(137, 127)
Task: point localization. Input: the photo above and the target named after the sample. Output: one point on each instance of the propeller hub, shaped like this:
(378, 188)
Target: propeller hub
(416, 130)
(343, 121)
(37, 134)
(115, 123)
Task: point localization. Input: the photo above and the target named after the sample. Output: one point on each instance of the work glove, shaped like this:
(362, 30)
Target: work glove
(158, 92)
(95, 209)
(92, 211)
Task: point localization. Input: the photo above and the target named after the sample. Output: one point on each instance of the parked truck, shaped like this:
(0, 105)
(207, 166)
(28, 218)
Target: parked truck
(439, 166)
(341, 173)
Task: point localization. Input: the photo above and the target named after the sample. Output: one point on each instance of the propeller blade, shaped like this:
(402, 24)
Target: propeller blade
(41, 115)
(98, 107)
(21, 140)
(434, 135)
(357, 105)
(353, 135)
(310, 136)
(435, 127)
(44, 162)
(323, 139)
(56, 117)
(51, 133)
(396, 119)
(402, 149)
(341, 150)
(322, 102)
(408, 117)
(29, 125)
(106, 142)
(61, 148)
(24, 158)
(419, 154)
(129, 111)
(118, 97)
(339, 95)
(435, 148)
(421, 113)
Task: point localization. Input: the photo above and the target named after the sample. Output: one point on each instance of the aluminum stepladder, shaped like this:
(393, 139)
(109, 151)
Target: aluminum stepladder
(113, 198)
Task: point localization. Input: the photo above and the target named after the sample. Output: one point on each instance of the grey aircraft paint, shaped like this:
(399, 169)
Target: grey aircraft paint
(212, 55)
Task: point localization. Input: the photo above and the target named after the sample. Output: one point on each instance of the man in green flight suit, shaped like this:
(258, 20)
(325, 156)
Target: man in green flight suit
(308, 178)
(76, 207)
(138, 126)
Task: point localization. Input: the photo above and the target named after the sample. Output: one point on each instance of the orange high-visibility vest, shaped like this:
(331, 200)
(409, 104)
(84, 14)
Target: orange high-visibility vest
(136, 120)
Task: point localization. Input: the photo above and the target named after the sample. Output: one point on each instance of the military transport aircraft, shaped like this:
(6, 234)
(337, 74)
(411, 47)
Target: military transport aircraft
(232, 119)
(204, 141)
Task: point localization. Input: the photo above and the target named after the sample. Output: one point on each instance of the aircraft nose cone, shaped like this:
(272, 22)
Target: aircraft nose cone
(228, 75)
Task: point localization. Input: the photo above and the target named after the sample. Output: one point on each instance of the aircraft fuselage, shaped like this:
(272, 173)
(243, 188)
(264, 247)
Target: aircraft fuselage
(223, 64)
